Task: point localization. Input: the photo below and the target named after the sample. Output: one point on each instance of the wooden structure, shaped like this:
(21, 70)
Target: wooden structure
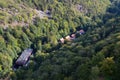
(24, 57)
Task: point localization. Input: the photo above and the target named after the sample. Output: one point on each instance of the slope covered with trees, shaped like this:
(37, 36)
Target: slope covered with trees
(92, 56)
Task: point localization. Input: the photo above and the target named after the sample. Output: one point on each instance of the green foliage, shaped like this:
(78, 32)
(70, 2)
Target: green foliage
(90, 54)
(5, 64)
(107, 66)
(3, 3)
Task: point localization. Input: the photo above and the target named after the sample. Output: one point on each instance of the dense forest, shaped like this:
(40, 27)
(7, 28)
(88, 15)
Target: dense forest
(40, 24)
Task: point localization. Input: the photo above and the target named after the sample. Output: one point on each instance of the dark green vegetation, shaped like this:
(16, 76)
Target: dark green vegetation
(92, 56)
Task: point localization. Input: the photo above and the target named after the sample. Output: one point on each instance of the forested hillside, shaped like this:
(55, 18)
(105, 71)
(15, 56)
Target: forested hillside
(40, 24)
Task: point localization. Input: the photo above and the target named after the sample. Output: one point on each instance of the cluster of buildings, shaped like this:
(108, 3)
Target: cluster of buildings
(72, 36)
(24, 57)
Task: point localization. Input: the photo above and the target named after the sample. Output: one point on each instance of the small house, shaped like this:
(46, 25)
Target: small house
(62, 40)
(73, 36)
(68, 38)
(81, 31)
(24, 57)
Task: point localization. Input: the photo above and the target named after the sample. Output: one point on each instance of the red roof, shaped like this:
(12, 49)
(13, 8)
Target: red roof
(62, 40)
(73, 35)
(81, 31)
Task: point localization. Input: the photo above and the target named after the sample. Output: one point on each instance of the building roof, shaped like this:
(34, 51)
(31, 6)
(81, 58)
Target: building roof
(73, 35)
(81, 31)
(68, 38)
(62, 40)
(24, 56)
